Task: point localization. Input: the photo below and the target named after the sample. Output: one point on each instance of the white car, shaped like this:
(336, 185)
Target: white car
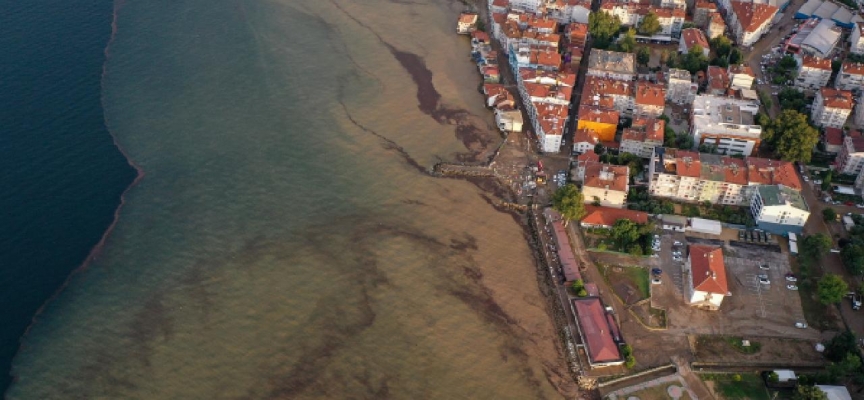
(801, 325)
(677, 243)
(817, 181)
(806, 179)
(859, 205)
(763, 279)
(791, 287)
(656, 281)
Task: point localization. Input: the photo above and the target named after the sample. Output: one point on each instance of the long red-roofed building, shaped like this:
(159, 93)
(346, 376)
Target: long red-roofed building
(598, 332)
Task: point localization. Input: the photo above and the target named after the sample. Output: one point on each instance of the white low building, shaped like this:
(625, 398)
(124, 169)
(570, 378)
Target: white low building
(727, 123)
(705, 273)
(680, 88)
(779, 209)
(749, 21)
(813, 72)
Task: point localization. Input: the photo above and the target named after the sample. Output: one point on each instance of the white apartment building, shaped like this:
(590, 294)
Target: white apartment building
(850, 76)
(813, 72)
(740, 76)
(779, 209)
(680, 88)
(689, 176)
(691, 37)
(643, 136)
(850, 159)
(856, 39)
(584, 140)
(650, 99)
(831, 107)
(609, 93)
(727, 123)
(549, 125)
(716, 26)
(631, 13)
(526, 6)
(749, 21)
(612, 64)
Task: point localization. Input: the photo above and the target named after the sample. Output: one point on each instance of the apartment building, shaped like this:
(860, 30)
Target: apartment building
(631, 13)
(650, 99)
(850, 159)
(702, 12)
(831, 107)
(643, 136)
(716, 26)
(584, 140)
(727, 123)
(609, 93)
(612, 64)
(600, 120)
(856, 39)
(850, 76)
(718, 81)
(606, 184)
(813, 72)
(692, 37)
(740, 76)
(680, 88)
(749, 21)
(689, 176)
(779, 209)
(859, 110)
(549, 125)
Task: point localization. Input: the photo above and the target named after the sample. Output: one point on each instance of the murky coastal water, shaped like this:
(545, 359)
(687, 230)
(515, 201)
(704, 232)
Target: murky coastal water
(285, 241)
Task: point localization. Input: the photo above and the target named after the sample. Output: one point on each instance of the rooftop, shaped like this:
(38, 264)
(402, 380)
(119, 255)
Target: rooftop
(751, 16)
(596, 88)
(598, 115)
(718, 79)
(585, 136)
(547, 77)
(587, 157)
(750, 171)
(834, 136)
(816, 62)
(612, 61)
(741, 69)
(643, 129)
(693, 37)
(611, 177)
(779, 195)
(607, 216)
(595, 327)
(651, 94)
(466, 18)
(834, 98)
(852, 68)
(708, 269)
(679, 74)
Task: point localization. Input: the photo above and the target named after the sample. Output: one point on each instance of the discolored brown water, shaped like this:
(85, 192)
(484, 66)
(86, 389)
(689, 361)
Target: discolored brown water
(286, 241)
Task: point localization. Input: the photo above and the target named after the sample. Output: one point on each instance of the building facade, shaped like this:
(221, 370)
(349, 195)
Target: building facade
(778, 209)
(856, 39)
(727, 123)
(850, 76)
(643, 136)
(813, 72)
(650, 99)
(680, 88)
(831, 107)
(749, 21)
(606, 184)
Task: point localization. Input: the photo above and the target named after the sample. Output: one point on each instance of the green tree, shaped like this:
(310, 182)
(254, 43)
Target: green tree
(625, 232)
(643, 55)
(735, 56)
(650, 24)
(849, 365)
(627, 42)
(685, 141)
(826, 180)
(694, 60)
(805, 392)
(853, 258)
(599, 149)
(792, 99)
(829, 215)
(791, 136)
(670, 139)
(840, 345)
(603, 27)
(721, 46)
(831, 289)
(569, 201)
(814, 247)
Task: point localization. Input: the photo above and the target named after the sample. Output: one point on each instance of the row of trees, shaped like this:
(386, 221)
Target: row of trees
(852, 249)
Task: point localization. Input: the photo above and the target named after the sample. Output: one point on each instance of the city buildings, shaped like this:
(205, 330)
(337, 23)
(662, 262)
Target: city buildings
(584, 140)
(716, 26)
(779, 209)
(831, 107)
(680, 88)
(859, 110)
(643, 136)
(856, 39)
(833, 140)
(718, 80)
(702, 12)
(650, 99)
(548, 123)
(605, 217)
(691, 37)
(740, 76)
(727, 123)
(813, 72)
(466, 24)
(850, 159)
(609, 93)
(749, 21)
(815, 37)
(600, 120)
(689, 176)
(850, 76)
(705, 273)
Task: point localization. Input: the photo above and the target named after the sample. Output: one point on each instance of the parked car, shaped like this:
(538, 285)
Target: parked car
(859, 205)
(791, 278)
(763, 279)
(656, 271)
(656, 281)
(801, 325)
(856, 301)
(791, 287)
(764, 267)
(677, 243)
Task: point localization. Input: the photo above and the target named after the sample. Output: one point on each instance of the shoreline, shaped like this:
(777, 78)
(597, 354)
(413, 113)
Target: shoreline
(97, 249)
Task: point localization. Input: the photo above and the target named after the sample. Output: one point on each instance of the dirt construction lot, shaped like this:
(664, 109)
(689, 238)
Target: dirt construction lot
(752, 308)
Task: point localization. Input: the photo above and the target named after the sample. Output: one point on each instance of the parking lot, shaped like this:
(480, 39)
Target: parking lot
(753, 308)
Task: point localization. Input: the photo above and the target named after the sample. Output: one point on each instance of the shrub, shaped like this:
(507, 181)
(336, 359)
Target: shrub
(629, 361)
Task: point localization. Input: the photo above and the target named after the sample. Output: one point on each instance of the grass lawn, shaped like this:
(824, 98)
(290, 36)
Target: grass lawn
(737, 344)
(749, 387)
(636, 276)
(816, 314)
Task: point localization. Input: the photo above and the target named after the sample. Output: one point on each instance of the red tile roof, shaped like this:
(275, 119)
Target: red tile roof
(772, 172)
(595, 328)
(693, 37)
(585, 136)
(536, 75)
(741, 69)
(853, 68)
(501, 3)
(606, 216)
(734, 170)
(708, 269)
(465, 18)
(650, 128)
(834, 136)
(548, 91)
(596, 114)
(753, 15)
(816, 62)
(718, 79)
(588, 156)
(650, 94)
(613, 177)
(689, 164)
(705, 4)
(834, 98)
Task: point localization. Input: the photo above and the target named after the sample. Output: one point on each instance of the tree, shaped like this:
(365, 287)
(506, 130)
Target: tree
(643, 55)
(650, 24)
(791, 136)
(831, 289)
(840, 345)
(694, 60)
(569, 201)
(627, 42)
(735, 56)
(670, 139)
(624, 233)
(853, 258)
(826, 180)
(599, 149)
(603, 27)
(722, 46)
(809, 393)
(814, 247)
(829, 215)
